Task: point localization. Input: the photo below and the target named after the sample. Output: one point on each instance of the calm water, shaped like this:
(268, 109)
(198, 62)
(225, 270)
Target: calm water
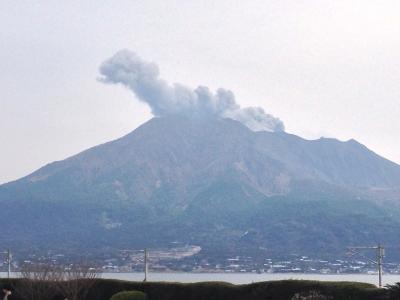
(239, 278)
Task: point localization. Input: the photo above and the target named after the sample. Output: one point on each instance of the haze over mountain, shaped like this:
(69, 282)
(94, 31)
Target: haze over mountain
(207, 181)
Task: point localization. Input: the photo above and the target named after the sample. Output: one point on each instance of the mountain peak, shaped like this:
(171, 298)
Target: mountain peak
(195, 180)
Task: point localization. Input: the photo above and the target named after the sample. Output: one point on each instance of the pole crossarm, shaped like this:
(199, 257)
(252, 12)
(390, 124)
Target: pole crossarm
(380, 253)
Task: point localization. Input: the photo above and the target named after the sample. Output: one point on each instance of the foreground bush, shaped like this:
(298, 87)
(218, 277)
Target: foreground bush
(310, 295)
(129, 295)
(104, 289)
(393, 291)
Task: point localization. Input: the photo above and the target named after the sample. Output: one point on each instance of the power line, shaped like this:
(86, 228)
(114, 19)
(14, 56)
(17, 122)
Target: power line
(380, 253)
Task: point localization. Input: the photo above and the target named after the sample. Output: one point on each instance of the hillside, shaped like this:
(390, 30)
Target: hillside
(212, 183)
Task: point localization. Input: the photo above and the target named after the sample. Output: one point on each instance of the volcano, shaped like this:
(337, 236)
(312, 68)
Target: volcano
(207, 182)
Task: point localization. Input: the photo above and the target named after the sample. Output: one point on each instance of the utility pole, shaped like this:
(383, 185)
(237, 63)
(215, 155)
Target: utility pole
(146, 267)
(8, 263)
(380, 253)
(8, 257)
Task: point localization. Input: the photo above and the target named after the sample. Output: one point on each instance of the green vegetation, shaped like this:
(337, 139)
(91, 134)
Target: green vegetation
(393, 291)
(105, 289)
(129, 295)
(271, 290)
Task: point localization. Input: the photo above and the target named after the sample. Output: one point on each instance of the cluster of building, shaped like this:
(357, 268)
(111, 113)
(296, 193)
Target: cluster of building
(165, 261)
(191, 259)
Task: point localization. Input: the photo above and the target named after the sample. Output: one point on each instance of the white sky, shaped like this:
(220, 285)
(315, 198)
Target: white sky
(326, 68)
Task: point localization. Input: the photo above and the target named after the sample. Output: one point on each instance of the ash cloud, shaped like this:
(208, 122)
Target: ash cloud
(143, 79)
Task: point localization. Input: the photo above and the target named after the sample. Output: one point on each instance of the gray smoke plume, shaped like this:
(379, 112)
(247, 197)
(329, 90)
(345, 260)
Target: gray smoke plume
(142, 78)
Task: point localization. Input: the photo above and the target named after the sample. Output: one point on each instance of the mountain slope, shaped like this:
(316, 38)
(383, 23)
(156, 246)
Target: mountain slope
(209, 182)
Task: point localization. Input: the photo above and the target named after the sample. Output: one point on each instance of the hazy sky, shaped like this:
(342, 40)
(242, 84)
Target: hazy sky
(326, 68)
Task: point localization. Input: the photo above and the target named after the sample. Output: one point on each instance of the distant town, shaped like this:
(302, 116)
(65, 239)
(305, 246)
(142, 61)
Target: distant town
(189, 259)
